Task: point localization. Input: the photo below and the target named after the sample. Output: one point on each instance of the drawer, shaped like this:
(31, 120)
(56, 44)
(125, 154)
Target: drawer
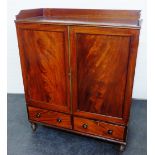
(99, 128)
(49, 117)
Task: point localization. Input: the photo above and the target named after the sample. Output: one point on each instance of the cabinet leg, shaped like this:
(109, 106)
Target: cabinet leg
(122, 148)
(33, 126)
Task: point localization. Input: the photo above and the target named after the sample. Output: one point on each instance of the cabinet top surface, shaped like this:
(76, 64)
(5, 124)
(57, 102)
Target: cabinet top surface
(114, 18)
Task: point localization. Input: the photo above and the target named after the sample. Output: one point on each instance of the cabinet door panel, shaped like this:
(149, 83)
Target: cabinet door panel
(100, 58)
(45, 57)
(102, 68)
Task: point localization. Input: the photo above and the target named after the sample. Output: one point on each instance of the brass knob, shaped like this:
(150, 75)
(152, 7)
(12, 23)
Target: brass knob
(59, 120)
(38, 115)
(109, 132)
(85, 126)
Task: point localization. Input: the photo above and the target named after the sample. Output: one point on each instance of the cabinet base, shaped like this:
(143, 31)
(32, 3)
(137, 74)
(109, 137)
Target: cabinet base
(122, 147)
(81, 133)
(33, 126)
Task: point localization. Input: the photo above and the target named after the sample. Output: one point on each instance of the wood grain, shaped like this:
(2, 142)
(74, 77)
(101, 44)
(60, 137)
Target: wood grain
(114, 18)
(99, 128)
(29, 13)
(46, 62)
(49, 117)
(101, 73)
(78, 68)
(92, 13)
(100, 62)
(82, 133)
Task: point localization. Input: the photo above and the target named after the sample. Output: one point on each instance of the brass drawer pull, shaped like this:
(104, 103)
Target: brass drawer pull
(59, 120)
(110, 132)
(85, 126)
(38, 115)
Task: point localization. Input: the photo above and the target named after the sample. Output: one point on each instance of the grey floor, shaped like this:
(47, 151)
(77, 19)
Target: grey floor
(48, 141)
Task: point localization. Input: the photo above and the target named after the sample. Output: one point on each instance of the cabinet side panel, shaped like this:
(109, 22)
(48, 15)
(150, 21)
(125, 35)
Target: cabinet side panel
(131, 73)
(23, 62)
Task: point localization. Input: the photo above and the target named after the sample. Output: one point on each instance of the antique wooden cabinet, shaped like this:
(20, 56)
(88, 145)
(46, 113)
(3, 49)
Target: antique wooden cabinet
(78, 69)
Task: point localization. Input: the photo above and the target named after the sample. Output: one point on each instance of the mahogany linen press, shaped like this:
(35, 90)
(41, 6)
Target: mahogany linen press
(78, 69)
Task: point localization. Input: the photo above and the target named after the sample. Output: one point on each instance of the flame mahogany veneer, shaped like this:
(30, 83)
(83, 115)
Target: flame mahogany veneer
(78, 68)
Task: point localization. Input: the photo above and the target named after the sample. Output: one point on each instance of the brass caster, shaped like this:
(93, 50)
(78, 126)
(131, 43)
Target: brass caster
(33, 126)
(122, 148)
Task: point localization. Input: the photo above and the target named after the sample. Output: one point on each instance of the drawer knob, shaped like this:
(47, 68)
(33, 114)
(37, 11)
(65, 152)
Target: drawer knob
(85, 126)
(38, 115)
(59, 120)
(109, 132)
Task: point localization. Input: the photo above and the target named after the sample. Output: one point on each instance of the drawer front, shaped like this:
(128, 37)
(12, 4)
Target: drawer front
(99, 128)
(49, 117)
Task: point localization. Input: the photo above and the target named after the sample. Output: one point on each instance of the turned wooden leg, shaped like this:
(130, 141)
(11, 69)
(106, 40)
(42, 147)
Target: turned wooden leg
(33, 126)
(122, 148)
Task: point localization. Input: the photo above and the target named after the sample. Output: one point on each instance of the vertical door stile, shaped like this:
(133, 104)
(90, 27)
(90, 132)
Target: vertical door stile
(70, 70)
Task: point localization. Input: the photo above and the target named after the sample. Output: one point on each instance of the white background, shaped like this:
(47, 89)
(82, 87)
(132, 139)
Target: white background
(15, 84)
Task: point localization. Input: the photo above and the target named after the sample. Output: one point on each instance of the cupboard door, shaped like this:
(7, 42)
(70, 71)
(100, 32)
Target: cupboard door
(44, 60)
(102, 72)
